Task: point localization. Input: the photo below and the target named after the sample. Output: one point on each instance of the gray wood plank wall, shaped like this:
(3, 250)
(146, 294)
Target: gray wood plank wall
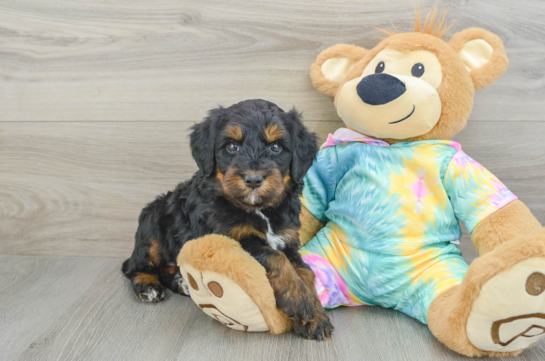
(96, 99)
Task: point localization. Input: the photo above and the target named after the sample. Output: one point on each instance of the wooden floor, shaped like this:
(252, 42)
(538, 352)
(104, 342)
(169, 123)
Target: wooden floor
(96, 99)
(83, 309)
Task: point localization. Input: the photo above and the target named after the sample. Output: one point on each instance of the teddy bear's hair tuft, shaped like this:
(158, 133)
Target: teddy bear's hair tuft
(433, 25)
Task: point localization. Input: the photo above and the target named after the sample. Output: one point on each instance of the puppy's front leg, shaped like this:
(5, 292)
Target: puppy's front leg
(321, 322)
(293, 296)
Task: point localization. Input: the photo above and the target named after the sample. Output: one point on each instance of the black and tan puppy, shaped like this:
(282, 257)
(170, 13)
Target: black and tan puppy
(252, 158)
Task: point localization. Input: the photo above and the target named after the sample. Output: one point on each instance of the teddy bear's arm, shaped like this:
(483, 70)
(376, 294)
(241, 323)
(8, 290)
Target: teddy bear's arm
(310, 225)
(490, 211)
(320, 184)
(509, 222)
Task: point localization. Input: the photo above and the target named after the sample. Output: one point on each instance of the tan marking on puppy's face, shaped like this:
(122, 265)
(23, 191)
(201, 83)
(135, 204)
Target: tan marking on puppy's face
(268, 194)
(273, 133)
(253, 172)
(273, 188)
(287, 179)
(233, 186)
(219, 175)
(234, 132)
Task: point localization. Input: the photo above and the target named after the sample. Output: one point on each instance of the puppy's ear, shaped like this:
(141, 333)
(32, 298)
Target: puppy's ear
(304, 146)
(202, 140)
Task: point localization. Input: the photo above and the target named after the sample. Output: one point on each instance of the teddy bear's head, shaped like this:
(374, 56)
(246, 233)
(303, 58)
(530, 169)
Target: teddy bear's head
(411, 86)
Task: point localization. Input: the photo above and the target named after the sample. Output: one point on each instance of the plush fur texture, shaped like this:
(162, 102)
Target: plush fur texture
(433, 25)
(225, 256)
(447, 323)
(310, 225)
(495, 67)
(511, 221)
(448, 313)
(351, 52)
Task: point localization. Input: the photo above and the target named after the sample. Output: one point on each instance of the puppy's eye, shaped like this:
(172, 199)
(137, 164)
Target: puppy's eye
(380, 67)
(418, 70)
(275, 148)
(232, 147)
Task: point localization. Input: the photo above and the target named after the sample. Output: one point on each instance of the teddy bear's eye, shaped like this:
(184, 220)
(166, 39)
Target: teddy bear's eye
(380, 67)
(418, 70)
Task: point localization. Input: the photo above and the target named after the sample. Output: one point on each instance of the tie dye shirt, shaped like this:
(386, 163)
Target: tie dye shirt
(392, 212)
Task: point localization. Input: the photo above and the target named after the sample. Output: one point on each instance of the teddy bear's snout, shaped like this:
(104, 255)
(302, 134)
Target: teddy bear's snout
(379, 89)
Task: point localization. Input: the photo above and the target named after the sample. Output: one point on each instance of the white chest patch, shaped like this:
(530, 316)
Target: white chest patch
(274, 240)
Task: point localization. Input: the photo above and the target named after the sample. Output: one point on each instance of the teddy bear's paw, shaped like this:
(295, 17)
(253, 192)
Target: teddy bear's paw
(222, 299)
(319, 328)
(509, 313)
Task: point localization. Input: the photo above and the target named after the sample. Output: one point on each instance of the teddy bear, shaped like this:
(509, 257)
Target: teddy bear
(383, 200)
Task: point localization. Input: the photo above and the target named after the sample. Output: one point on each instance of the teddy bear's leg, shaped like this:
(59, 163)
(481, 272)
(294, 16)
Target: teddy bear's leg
(325, 260)
(331, 288)
(230, 286)
(499, 308)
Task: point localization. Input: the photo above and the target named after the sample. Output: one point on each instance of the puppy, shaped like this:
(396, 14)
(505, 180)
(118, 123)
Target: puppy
(252, 158)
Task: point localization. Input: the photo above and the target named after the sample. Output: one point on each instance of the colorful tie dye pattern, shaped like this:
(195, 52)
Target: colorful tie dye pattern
(392, 217)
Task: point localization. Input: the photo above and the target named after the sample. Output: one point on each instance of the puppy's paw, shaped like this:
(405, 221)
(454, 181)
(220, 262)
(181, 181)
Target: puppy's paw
(179, 285)
(149, 291)
(298, 303)
(319, 328)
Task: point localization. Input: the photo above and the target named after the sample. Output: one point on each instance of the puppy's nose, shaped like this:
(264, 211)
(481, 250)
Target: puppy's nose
(378, 89)
(253, 181)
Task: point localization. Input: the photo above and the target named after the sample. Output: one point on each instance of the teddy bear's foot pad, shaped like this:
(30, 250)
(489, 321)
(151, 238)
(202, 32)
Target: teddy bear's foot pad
(509, 313)
(224, 300)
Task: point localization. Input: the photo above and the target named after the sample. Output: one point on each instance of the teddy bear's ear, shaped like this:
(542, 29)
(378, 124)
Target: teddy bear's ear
(482, 53)
(332, 65)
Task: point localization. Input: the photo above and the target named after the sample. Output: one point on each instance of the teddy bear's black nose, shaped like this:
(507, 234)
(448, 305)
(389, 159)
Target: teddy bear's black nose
(378, 89)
